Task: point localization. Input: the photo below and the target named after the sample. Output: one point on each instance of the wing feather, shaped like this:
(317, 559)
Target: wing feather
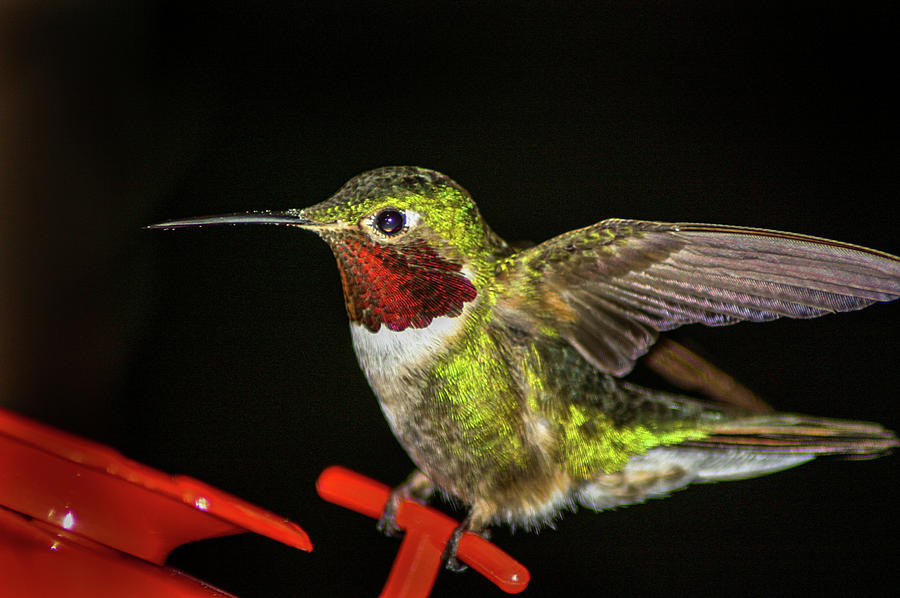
(610, 288)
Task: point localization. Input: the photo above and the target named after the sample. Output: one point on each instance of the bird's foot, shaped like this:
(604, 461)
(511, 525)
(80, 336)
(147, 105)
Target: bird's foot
(387, 525)
(452, 563)
(417, 487)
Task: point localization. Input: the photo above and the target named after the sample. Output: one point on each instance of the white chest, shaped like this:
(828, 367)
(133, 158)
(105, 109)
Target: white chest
(388, 356)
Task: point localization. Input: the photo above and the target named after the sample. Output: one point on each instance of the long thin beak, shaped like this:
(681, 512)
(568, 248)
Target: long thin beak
(278, 218)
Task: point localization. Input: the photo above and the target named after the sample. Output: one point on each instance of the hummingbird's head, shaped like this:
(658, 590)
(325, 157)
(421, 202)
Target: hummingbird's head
(410, 245)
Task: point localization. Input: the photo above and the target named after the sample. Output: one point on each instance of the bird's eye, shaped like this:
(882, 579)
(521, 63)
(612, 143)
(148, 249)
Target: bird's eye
(390, 221)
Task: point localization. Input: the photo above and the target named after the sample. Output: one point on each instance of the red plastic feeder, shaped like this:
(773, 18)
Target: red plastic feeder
(79, 519)
(427, 533)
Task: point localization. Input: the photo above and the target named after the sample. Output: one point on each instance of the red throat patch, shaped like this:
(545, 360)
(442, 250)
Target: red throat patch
(383, 285)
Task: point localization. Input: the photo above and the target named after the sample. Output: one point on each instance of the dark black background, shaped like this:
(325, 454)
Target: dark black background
(224, 353)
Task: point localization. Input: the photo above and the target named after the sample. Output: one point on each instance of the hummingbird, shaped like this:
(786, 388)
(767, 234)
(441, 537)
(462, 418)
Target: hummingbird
(500, 368)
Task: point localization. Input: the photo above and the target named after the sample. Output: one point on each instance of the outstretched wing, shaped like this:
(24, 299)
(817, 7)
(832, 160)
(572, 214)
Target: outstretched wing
(608, 289)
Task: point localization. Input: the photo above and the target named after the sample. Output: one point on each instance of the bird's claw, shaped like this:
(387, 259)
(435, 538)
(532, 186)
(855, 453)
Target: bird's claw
(387, 524)
(451, 563)
(416, 487)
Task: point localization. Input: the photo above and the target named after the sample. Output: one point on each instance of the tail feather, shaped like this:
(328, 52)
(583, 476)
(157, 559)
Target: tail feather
(739, 449)
(784, 433)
